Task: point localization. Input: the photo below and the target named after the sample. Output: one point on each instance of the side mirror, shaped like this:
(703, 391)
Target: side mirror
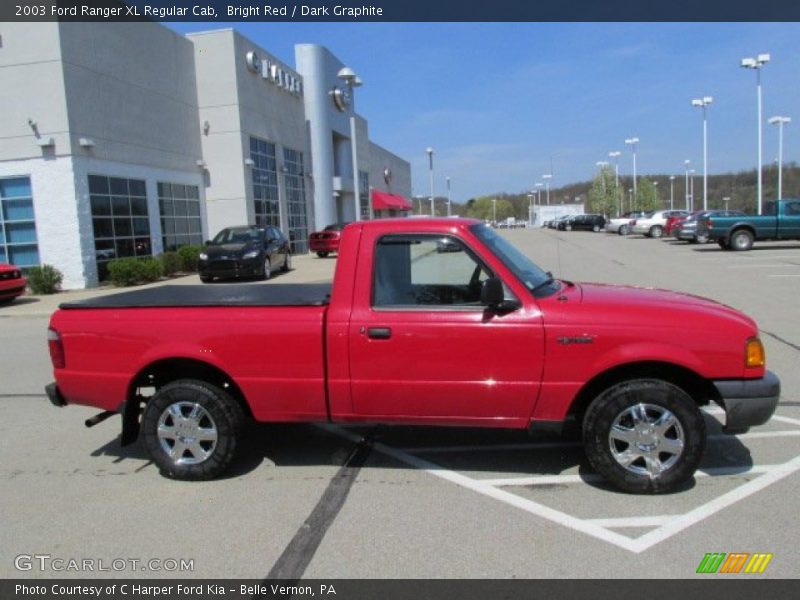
(493, 297)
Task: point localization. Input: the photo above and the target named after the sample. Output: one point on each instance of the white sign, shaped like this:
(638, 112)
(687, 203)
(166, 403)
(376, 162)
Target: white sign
(274, 73)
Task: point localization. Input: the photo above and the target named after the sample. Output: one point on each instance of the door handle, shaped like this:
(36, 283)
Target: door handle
(379, 333)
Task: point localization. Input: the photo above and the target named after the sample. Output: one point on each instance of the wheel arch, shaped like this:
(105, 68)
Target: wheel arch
(161, 372)
(695, 385)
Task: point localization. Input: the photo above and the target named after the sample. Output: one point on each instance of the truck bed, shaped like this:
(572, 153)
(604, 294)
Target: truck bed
(295, 294)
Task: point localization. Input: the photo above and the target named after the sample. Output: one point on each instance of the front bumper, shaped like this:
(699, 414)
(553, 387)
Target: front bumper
(230, 269)
(748, 402)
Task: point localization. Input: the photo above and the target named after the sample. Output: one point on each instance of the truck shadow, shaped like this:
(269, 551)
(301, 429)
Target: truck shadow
(476, 453)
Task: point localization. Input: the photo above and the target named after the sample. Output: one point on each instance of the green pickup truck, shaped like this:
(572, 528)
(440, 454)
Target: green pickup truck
(780, 221)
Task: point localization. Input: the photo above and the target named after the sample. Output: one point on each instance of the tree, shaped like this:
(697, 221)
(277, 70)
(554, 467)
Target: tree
(484, 209)
(646, 198)
(603, 194)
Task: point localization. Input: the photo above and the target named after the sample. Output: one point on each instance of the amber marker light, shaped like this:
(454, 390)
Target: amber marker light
(754, 353)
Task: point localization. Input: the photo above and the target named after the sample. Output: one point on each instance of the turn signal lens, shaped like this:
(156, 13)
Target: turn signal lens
(754, 353)
(56, 349)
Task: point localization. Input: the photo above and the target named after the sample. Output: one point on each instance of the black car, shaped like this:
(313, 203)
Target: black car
(583, 223)
(246, 251)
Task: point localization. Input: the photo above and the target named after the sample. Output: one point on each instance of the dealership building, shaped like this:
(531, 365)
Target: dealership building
(128, 139)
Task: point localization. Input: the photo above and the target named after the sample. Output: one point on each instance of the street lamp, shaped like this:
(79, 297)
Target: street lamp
(429, 150)
(726, 199)
(630, 198)
(691, 188)
(632, 143)
(494, 211)
(615, 155)
(449, 211)
(672, 192)
(756, 63)
(547, 177)
(530, 209)
(655, 187)
(780, 122)
(539, 185)
(686, 186)
(703, 103)
(352, 81)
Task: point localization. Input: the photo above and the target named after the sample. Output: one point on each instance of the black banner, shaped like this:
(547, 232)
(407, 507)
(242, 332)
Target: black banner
(708, 587)
(397, 11)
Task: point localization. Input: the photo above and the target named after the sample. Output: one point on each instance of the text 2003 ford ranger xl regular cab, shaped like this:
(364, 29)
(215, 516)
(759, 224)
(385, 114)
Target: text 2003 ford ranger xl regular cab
(438, 322)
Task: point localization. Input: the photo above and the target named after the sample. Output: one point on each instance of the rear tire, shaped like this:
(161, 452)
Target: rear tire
(701, 239)
(205, 279)
(644, 436)
(192, 429)
(656, 231)
(322, 254)
(287, 263)
(741, 240)
(596, 228)
(624, 230)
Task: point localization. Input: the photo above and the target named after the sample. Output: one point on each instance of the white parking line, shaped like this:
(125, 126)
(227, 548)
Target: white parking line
(666, 526)
(785, 419)
(553, 445)
(763, 266)
(787, 275)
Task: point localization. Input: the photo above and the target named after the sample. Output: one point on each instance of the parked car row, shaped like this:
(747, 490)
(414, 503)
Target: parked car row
(577, 223)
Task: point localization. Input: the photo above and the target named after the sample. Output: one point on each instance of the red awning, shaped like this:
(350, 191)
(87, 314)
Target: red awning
(386, 201)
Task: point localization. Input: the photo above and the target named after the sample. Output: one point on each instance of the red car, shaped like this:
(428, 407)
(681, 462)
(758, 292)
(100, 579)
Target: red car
(12, 283)
(326, 241)
(674, 221)
(427, 322)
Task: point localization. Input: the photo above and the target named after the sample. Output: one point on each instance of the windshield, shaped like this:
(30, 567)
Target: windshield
(534, 278)
(239, 235)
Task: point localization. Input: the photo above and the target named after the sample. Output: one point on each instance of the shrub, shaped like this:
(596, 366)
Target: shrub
(171, 263)
(45, 279)
(132, 271)
(189, 257)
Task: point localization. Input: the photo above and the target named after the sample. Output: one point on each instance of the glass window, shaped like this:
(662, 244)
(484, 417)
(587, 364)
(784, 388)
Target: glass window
(297, 212)
(426, 271)
(119, 212)
(181, 224)
(265, 183)
(18, 240)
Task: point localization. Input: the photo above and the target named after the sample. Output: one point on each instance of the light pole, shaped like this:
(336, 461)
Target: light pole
(704, 103)
(494, 211)
(756, 63)
(449, 211)
(726, 199)
(530, 209)
(655, 187)
(780, 122)
(539, 185)
(691, 189)
(547, 177)
(429, 150)
(630, 198)
(615, 155)
(672, 192)
(632, 143)
(686, 186)
(352, 81)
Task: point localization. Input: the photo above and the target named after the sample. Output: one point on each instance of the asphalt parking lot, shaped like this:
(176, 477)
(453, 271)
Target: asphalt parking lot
(416, 502)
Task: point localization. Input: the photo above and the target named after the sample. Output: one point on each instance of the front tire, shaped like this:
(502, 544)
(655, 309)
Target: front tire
(287, 263)
(624, 230)
(266, 272)
(192, 429)
(701, 239)
(656, 231)
(644, 436)
(322, 254)
(596, 228)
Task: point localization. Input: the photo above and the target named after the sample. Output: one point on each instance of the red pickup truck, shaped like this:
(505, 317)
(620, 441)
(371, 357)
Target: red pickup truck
(428, 322)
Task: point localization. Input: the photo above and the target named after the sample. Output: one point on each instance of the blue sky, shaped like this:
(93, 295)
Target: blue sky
(497, 100)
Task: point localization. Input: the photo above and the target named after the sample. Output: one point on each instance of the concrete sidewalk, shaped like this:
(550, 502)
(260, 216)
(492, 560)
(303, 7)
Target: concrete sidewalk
(306, 268)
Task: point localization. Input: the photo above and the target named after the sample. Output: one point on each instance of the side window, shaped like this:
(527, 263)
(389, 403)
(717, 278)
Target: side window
(426, 271)
(793, 208)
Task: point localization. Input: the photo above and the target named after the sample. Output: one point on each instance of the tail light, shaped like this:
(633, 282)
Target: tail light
(56, 348)
(710, 223)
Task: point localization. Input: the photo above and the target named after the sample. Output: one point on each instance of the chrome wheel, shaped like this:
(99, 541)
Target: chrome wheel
(187, 433)
(646, 439)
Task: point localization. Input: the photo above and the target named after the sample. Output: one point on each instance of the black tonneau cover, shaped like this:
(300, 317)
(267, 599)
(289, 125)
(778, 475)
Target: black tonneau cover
(282, 294)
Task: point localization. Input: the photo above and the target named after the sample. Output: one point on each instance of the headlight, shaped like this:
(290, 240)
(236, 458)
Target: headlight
(251, 254)
(754, 353)
(202, 256)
